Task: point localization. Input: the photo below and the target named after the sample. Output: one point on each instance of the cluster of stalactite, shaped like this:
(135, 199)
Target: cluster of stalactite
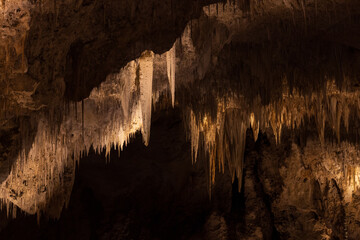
(222, 135)
(44, 174)
(122, 105)
(222, 139)
(112, 114)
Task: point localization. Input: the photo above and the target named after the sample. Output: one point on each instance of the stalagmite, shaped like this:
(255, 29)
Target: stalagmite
(146, 78)
(171, 69)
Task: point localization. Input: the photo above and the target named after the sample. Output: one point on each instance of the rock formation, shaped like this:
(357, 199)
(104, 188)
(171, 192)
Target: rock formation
(260, 100)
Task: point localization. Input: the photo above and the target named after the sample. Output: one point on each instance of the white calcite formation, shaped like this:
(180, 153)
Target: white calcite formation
(111, 115)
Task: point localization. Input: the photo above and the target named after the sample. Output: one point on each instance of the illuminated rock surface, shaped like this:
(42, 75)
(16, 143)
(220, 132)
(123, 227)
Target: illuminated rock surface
(233, 119)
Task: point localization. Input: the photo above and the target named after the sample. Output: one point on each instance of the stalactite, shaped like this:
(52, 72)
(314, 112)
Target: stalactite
(171, 70)
(254, 126)
(82, 119)
(304, 13)
(338, 123)
(346, 112)
(235, 132)
(55, 12)
(320, 118)
(146, 77)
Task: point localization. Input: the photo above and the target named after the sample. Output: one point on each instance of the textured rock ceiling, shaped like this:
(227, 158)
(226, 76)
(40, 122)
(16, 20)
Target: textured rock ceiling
(77, 74)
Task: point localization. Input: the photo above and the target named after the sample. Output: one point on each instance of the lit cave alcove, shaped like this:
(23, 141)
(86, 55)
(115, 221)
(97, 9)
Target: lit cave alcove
(180, 119)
